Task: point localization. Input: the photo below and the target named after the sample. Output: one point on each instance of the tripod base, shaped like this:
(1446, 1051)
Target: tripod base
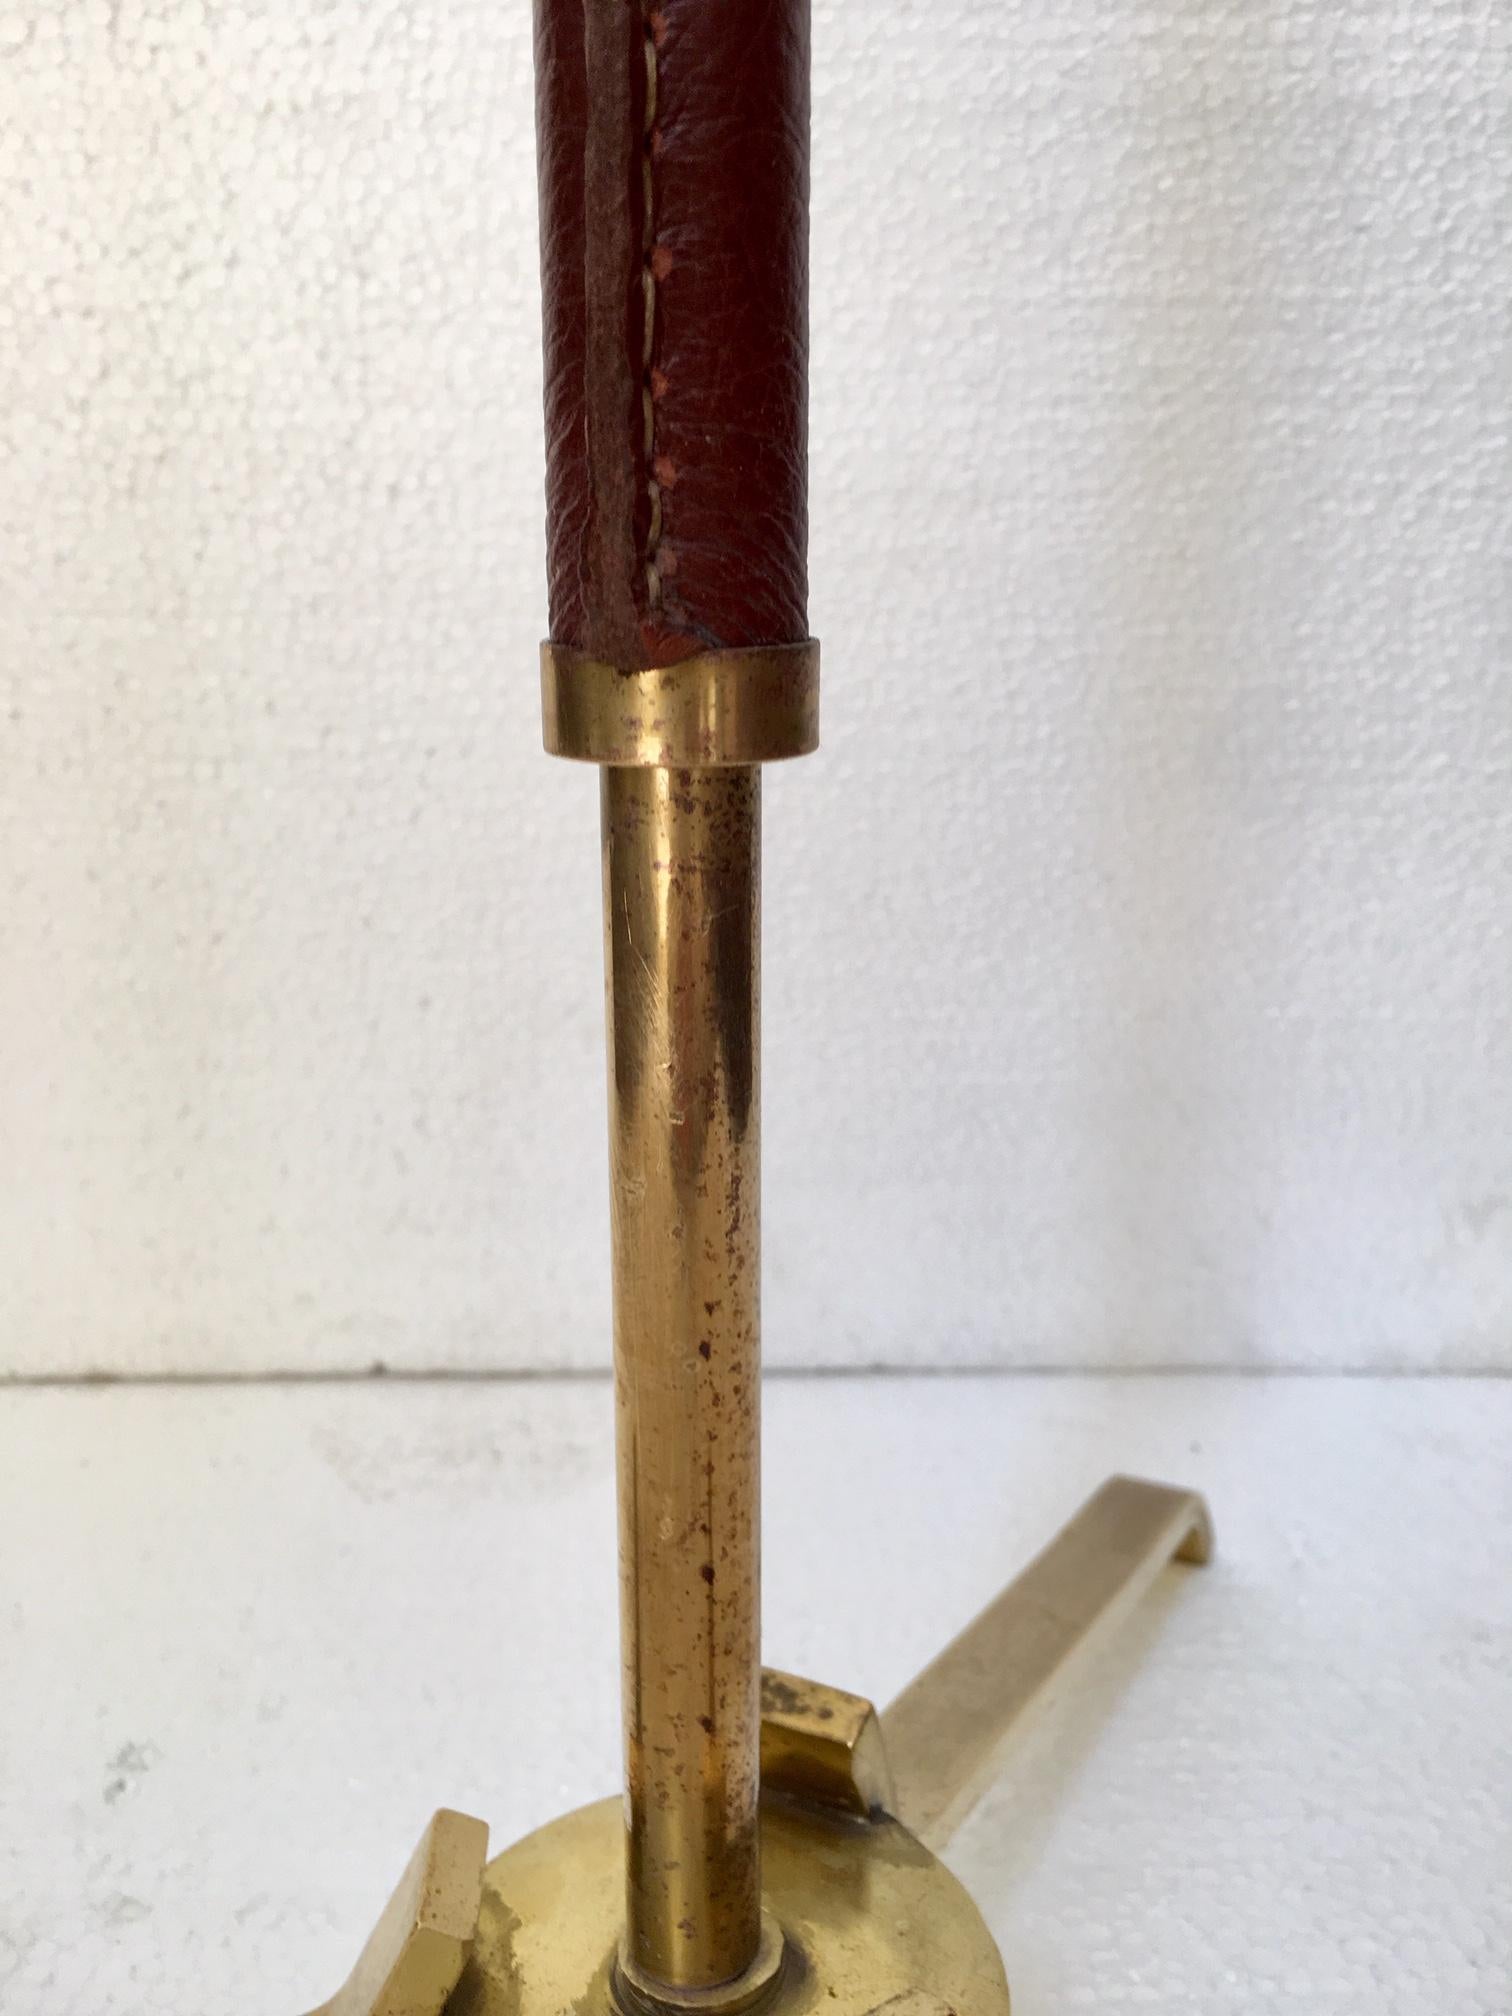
(861, 1915)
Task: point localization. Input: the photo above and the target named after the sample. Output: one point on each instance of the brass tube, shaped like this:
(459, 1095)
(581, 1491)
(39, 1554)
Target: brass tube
(682, 935)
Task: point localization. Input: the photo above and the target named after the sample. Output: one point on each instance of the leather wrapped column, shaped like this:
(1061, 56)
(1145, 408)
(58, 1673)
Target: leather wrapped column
(673, 152)
(673, 145)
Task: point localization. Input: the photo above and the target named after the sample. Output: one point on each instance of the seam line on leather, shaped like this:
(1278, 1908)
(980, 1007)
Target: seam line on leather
(612, 250)
(648, 290)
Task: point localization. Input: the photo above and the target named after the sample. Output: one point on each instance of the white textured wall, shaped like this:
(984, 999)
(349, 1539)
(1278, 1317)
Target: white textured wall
(1139, 960)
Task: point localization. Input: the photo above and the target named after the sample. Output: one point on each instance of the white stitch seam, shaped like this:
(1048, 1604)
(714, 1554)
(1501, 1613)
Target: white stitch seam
(648, 286)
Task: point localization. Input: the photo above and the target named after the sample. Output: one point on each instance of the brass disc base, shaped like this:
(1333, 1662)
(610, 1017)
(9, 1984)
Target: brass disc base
(868, 1915)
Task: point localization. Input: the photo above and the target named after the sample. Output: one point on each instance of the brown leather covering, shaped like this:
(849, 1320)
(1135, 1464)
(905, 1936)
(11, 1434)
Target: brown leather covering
(673, 148)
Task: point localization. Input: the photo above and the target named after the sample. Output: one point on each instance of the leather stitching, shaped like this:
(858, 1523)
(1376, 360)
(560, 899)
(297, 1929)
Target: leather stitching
(652, 381)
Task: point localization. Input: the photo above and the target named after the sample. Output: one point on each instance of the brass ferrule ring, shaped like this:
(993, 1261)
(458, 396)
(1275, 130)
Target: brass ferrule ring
(714, 710)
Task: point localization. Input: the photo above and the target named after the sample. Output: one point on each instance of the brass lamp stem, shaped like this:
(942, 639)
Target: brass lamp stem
(681, 946)
(679, 747)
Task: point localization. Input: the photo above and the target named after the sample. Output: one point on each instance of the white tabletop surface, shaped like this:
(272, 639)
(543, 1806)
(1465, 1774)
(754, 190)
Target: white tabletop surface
(251, 1635)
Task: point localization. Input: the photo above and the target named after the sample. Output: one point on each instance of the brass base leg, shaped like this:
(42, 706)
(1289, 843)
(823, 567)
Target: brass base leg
(947, 1732)
(853, 1807)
